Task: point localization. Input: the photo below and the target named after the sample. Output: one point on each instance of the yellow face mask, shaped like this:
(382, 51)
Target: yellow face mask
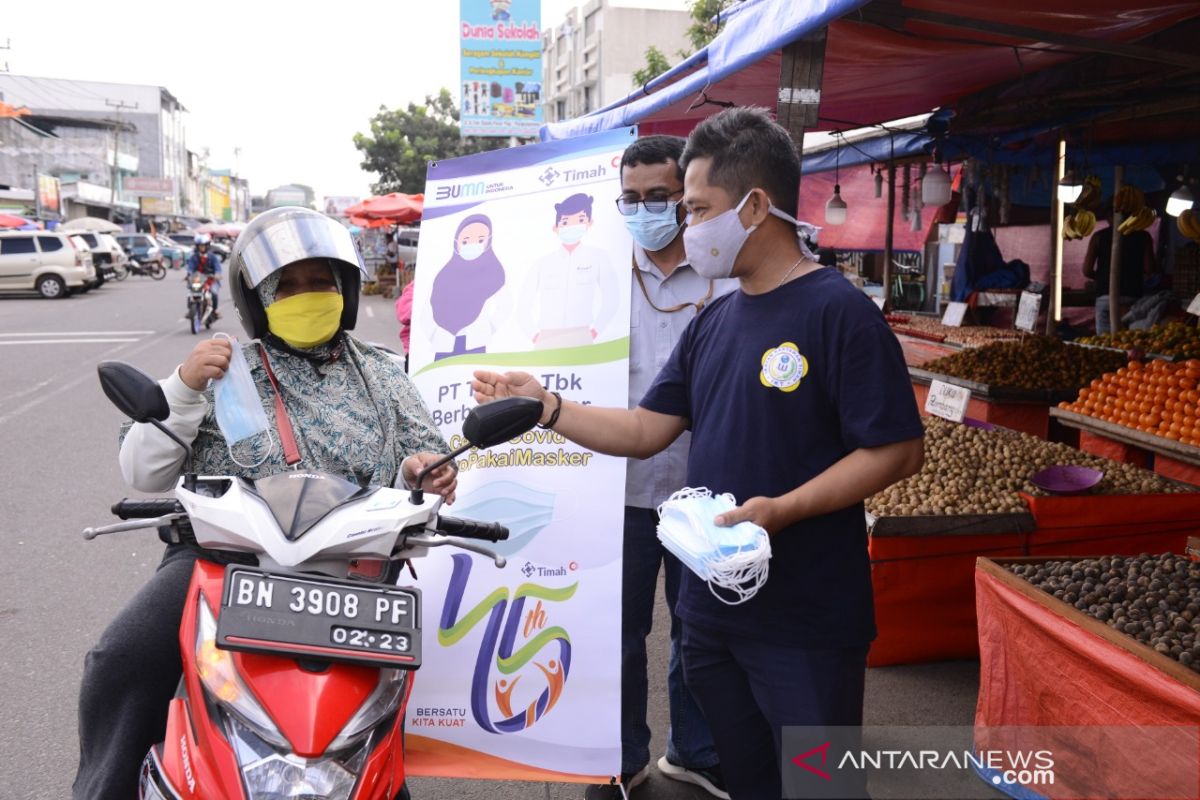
(306, 320)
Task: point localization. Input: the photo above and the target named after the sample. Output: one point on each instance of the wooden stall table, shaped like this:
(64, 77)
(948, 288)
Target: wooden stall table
(1169, 458)
(1120, 718)
(1017, 409)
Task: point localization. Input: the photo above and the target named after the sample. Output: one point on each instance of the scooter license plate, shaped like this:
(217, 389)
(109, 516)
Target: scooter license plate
(338, 620)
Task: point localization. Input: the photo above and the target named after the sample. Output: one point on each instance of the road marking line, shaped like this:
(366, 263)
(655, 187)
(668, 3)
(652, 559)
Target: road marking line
(370, 311)
(67, 341)
(79, 333)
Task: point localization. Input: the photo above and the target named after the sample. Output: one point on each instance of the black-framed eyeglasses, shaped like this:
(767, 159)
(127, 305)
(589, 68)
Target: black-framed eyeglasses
(653, 205)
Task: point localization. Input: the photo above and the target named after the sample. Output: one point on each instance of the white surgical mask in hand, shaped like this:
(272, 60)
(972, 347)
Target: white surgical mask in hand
(733, 559)
(238, 409)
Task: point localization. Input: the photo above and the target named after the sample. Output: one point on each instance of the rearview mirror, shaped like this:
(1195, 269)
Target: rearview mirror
(492, 423)
(135, 393)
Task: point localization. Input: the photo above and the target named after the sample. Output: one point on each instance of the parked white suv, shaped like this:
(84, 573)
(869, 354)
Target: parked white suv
(44, 261)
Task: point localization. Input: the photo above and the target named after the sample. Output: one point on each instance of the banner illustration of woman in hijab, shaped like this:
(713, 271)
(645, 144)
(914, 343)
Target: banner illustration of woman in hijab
(468, 302)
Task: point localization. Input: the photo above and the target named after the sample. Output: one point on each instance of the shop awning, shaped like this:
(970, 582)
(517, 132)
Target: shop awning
(889, 59)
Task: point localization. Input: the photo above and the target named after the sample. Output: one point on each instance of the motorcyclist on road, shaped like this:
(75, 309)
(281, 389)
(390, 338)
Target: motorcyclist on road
(205, 262)
(295, 276)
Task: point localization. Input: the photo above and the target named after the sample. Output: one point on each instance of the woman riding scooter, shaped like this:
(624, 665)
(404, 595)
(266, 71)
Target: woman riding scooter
(295, 277)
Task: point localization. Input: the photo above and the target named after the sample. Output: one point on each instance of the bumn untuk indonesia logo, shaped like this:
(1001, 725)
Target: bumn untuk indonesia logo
(550, 646)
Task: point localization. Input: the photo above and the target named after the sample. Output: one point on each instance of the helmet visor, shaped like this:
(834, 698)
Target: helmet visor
(292, 239)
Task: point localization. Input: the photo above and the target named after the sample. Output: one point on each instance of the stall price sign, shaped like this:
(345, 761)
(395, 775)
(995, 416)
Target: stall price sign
(947, 401)
(1194, 306)
(954, 314)
(1028, 310)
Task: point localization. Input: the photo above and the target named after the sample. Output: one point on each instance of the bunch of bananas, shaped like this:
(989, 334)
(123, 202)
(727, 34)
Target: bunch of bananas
(1079, 225)
(1189, 226)
(1129, 200)
(1089, 198)
(1138, 222)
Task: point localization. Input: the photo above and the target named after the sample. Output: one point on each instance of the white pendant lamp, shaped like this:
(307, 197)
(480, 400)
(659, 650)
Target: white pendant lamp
(1180, 201)
(835, 209)
(935, 187)
(1069, 188)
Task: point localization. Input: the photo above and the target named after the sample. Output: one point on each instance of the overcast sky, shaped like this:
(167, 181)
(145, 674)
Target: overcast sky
(287, 82)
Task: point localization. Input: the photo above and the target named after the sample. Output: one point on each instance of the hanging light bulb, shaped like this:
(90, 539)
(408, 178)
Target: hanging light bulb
(835, 209)
(1069, 188)
(916, 219)
(879, 182)
(935, 187)
(1180, 201)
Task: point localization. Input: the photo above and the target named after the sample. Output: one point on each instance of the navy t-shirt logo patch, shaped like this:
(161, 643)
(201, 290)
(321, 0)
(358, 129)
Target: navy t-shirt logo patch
(783, 367)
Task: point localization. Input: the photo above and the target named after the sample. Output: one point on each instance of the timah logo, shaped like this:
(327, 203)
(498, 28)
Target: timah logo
(549, 176)
(528, 570)
(532, 654)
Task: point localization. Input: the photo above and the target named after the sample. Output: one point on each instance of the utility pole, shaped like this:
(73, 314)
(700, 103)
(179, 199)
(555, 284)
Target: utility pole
(120, 106)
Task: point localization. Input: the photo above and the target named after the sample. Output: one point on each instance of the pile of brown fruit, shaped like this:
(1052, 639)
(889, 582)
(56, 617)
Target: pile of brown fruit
(967, 335)
(1169, 339)
(1035, 363)
(1154, 599)
(974, 471)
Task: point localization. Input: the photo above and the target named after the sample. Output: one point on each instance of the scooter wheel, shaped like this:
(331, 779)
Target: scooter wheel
(158, 272)
(194, 321)
(120, 272)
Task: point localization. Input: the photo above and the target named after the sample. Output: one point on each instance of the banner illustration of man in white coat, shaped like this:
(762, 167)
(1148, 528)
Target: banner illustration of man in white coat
(523, 266)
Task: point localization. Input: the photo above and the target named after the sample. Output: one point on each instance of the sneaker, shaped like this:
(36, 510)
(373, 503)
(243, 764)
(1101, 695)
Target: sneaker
(612, 791)
(709, 778)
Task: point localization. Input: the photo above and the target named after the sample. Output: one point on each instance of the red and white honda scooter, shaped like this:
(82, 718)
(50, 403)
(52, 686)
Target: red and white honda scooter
(296, 671)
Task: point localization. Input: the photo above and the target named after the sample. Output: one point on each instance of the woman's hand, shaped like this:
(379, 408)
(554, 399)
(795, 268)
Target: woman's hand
(208, 361)
(443, 480)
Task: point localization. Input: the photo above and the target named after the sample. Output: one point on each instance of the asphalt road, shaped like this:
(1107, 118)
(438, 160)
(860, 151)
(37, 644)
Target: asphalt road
(58, 474)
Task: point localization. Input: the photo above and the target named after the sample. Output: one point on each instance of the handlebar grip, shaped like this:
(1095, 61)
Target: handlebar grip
(469, 529)
(146, 509)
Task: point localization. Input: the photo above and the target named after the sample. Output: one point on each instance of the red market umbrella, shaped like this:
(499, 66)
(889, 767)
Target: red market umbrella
(394, 208)
(12, 221)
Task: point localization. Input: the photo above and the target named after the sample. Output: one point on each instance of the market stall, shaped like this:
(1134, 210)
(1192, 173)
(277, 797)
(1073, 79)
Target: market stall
(1148, 414)
(1082, 650)
(1014, 383)
(984, 492)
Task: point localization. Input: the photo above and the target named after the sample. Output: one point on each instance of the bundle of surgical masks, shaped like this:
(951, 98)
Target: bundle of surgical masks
(731, 560)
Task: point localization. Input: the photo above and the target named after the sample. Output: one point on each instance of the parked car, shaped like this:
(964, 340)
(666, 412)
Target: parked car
(119, 256)
(184, 239)
(103, 255)
(43, 261)
(406, 245)
(141, 247)
(174, 256)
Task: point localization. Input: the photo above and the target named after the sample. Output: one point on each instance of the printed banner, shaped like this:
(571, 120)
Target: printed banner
(524, 265)
(501, 51)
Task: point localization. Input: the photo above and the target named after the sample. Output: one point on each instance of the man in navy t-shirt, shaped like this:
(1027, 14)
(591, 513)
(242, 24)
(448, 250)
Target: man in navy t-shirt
(800, 405)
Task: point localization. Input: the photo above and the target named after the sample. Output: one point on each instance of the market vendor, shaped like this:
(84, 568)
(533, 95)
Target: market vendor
(1137, 265)
(800, 405)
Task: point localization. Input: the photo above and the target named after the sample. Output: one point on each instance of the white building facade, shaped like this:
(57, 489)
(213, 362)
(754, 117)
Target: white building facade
(589, 57)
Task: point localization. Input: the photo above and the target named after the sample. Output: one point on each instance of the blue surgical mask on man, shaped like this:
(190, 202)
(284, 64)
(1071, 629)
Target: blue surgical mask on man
(654, 230)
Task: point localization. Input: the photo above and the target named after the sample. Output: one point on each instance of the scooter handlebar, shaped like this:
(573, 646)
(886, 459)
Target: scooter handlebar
(146, 509)
(469, 529)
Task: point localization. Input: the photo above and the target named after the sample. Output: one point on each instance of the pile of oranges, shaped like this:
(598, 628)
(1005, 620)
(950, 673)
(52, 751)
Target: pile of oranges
(1159, 398)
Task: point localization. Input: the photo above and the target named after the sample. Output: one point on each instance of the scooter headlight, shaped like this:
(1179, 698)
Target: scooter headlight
(221, 681)
(271, 775)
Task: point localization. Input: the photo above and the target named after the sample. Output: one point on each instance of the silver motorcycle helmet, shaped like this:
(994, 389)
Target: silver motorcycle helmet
(283, 236)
